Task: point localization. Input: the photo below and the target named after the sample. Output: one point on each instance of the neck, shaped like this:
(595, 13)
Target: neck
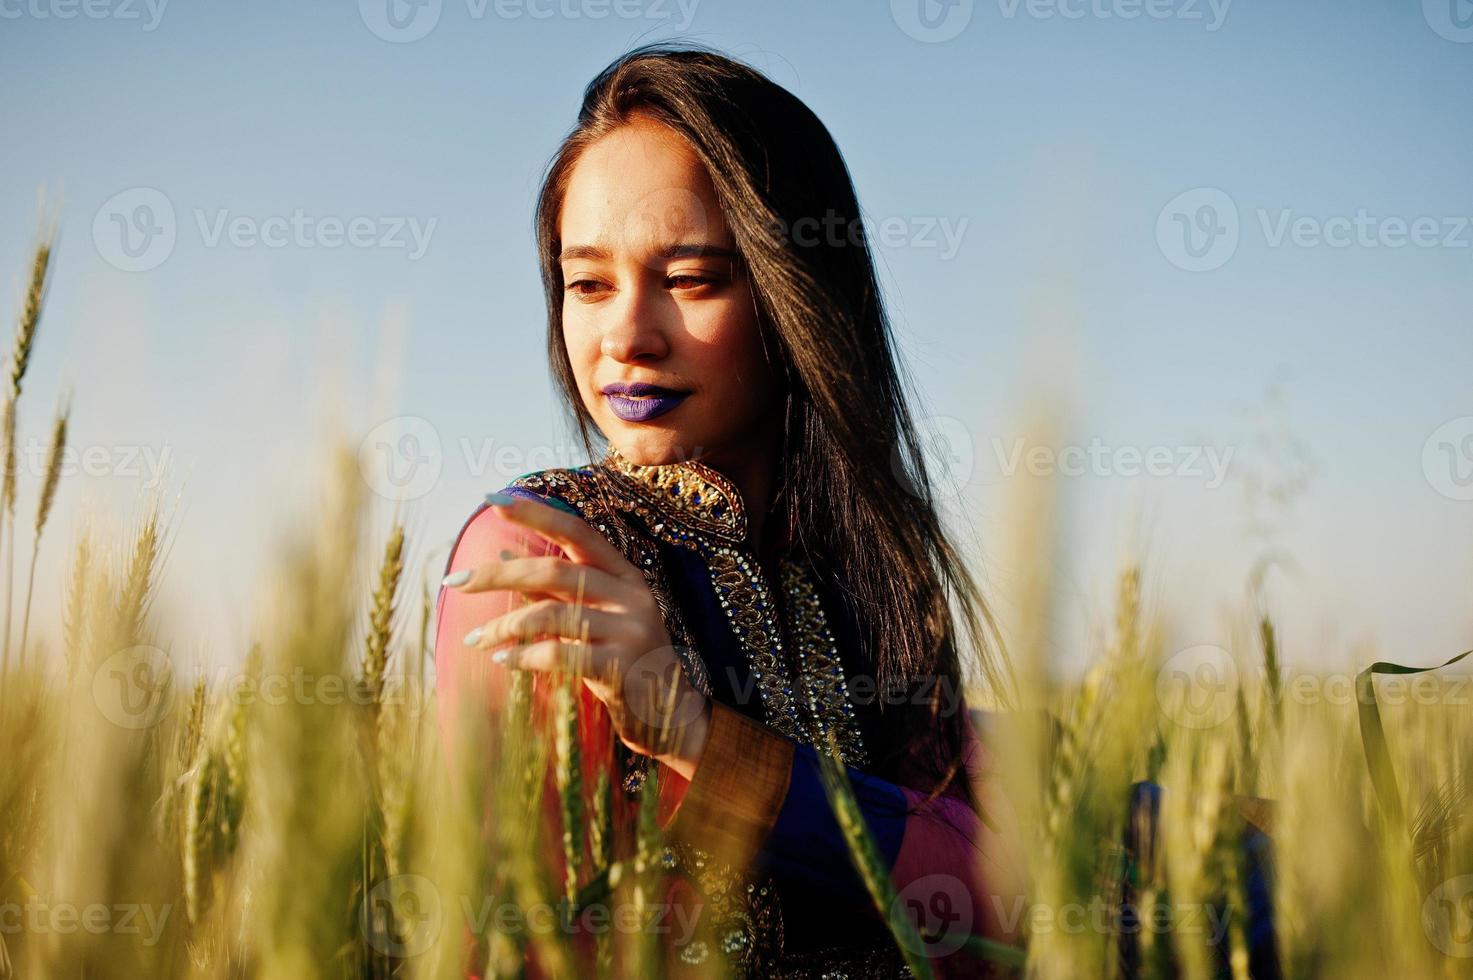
(752, 468)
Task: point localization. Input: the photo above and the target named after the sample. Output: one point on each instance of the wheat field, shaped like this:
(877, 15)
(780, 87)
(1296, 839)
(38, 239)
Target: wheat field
(301, 817)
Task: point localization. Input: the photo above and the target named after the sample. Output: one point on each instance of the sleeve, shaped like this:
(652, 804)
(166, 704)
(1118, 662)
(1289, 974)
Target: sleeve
(759, 798)
(464, 678)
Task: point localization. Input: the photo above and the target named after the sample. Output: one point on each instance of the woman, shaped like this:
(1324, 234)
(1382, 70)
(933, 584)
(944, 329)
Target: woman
(754, 571)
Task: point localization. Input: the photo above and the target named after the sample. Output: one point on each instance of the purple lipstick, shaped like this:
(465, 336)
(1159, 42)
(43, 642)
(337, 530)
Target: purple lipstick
(636, 401)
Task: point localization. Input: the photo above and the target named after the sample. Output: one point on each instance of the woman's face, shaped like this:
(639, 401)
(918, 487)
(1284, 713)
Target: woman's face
(653, 296)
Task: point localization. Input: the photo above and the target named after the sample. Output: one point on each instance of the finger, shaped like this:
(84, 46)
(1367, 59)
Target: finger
(555, 656)
(552, 576)
(548, 619)
(580, 542)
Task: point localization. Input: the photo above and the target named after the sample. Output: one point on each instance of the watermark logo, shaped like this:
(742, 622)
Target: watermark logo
(401, 915)
(39, 917)
(1206, 463)
(648, 684)
(400, 458)
(941, 233)
(1447, 458)
(1211, 13)
(403, 21)
(932, 21)
(149, 12)
(135, 229)
(940, 908)
(1451, 19)
(1198, 229)
(400, 21)
(131, 688)
(1197, 687)
(1447, 917)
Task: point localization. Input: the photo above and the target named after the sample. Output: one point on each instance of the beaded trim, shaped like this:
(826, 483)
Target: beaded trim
(820, 669)
(693, 492)
(744, 597)
(692, 506)
(569, 487)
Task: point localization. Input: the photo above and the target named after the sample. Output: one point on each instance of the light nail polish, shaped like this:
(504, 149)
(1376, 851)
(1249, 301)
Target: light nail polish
(499, 657)
(500, 499)
(457, 578)
(472, 637)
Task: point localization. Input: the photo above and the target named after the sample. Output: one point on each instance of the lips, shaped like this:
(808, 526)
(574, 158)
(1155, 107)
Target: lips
(639, 401)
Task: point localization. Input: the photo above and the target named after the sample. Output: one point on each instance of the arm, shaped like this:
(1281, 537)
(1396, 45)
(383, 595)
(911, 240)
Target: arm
(464, 677)
(757, 797)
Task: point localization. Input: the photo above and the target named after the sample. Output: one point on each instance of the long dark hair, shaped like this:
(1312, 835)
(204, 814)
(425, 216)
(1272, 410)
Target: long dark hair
(866, 513)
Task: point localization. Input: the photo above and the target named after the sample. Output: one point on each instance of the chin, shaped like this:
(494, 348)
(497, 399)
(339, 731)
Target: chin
(645, 445)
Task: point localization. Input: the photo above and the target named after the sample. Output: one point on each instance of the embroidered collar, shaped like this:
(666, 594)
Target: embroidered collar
(688, 493)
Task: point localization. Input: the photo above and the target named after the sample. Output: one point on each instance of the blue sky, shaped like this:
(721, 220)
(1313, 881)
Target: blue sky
(1040, 170)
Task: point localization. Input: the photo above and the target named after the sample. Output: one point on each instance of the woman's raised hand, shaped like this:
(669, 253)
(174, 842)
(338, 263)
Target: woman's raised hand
(592, 614)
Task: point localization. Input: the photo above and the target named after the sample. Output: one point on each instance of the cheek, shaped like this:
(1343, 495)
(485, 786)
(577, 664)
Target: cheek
(727, 341)
(582, 348)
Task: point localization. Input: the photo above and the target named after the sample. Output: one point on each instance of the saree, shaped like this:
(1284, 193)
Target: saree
(753, 842)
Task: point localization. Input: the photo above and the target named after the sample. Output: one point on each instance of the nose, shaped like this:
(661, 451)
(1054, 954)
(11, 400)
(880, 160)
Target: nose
(635, 331)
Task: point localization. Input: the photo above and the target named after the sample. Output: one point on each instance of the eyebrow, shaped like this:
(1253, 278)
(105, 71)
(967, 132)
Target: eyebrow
(677, 250)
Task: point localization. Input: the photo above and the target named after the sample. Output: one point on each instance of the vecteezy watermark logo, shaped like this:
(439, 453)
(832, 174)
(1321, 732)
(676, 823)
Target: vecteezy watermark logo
(135, 230)
(132, 687)
(940, 908)
(1447, 458)
(1198, 229)
(1211, 12)
(151, 463)
(940, 232)
(1451, 19)
(401, 915)
(38, 917)
(648, 683)
(1447, 916)
(932, 21)
(1207, 463)
(1197, 687)
(400, 458)
(948, 453)
(90, 9)
(402, 21)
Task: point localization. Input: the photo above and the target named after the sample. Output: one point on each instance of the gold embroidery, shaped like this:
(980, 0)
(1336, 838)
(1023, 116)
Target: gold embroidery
(569, 487)
(697, 494)
(820, 669)
(744, 598)
(801, 683)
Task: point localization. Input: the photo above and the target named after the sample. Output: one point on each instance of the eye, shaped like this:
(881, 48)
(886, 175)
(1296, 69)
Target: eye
(584, 287)
(688, 281)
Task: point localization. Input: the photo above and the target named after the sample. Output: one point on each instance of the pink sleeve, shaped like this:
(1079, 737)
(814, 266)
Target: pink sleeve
(465, 679)
(947, 847)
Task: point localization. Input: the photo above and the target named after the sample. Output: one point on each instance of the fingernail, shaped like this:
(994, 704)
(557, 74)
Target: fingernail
(472, 637)
(507, 555)
(457, 578)
(499, 499)
(499, 657)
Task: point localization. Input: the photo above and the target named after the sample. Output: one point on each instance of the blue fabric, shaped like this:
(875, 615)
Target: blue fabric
(1255, 853)
(806, 843)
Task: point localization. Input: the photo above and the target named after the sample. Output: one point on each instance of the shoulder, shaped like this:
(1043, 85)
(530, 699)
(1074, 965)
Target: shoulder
(574, 489)
(484, 532)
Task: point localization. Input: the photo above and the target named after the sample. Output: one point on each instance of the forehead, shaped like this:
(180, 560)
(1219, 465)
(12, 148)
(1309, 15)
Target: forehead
(641, 187)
